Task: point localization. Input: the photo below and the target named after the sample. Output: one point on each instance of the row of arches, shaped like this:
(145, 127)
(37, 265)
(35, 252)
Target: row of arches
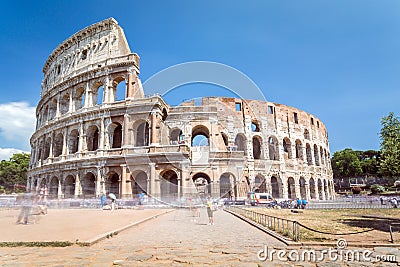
(73, 141)
(226, 186)
(97, 93)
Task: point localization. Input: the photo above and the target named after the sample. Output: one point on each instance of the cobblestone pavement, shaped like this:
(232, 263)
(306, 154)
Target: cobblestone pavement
(174, 239)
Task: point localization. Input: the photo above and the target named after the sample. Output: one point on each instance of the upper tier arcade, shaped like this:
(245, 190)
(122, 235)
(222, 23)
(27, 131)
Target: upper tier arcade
(98, 45)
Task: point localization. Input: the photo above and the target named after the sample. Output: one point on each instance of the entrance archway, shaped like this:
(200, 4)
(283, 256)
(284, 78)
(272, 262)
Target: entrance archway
(202, 183)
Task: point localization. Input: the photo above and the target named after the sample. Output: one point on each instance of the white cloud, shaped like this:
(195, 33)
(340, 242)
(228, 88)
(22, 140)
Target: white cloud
(17, 123)
(6, 153)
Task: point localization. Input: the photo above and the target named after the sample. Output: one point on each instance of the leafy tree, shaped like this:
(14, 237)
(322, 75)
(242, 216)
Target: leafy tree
(13, 171)
(369, 162)
(390, 146)
(346, 163)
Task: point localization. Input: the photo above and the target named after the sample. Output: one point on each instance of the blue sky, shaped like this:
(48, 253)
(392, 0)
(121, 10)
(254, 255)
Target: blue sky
(339, 60)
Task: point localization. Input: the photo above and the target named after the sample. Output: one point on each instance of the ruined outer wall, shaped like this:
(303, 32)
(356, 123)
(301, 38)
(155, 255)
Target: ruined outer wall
(89, 142)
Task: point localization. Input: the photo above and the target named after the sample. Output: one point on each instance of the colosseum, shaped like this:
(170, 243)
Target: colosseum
(97, 133)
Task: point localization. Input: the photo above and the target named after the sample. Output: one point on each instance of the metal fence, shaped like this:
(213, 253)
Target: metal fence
(355, 202)
(287, 228)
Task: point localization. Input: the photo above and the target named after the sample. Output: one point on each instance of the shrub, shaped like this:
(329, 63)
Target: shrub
(377, 189)
(356, 190)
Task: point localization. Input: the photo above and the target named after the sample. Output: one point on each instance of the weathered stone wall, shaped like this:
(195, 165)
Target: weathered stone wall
(88, 142)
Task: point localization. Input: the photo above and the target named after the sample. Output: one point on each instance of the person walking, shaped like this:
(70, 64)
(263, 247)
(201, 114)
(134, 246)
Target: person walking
(210, 211)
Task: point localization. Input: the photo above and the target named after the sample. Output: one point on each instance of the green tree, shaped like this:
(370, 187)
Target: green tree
(346, 163)
(370, 160)
(390, 146)
(13, 171)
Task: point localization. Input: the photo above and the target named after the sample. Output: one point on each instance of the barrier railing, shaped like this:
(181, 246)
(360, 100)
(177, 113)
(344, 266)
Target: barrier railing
(284, 227)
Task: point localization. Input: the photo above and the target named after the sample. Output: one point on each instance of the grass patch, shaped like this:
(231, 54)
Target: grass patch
(341, 223)
(37, 244)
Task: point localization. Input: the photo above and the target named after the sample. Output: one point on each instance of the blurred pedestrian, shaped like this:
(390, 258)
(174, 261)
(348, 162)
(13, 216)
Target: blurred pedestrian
(26, 201)
(210, 211)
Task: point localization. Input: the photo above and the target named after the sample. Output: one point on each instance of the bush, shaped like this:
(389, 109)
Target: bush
(356, 190)
(377, 189)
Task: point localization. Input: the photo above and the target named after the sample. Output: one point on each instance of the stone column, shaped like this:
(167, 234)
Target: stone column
(102, 136)
(58, 113)
(125, 127)
(59, 191)
(81, 144)
(308, 193)
(71, 106)
(316, 191)
(65, 145)
(98, 181)
(130, 85)
(152, 183)
(297, 188)
(122, 189)
(185, 179)
(154, 139)
(88, 96)
(78, 188)
(284, 186)
(179, 185)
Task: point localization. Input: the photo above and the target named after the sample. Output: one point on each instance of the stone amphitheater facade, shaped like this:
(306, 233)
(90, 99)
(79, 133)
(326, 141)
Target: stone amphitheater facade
(97, 133)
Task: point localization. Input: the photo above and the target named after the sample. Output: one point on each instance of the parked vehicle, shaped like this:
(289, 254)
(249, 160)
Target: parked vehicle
(259, 198)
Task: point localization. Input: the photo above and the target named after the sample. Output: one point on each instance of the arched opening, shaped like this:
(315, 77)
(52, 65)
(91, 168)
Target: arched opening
(240, 143)
(73, 141)
(316, 155)
(53, 190)
(203, 183)
(142, 134)
(287, 148)
(169, 185)
(79, 98)
(52, 109)
(69, 186)
(139, 183)
(45, 114)
(112, 184)
(88, 184)
(273, 148)
(255, 126)
(224, 138)
(312, 188)
(176, 136)
(164, 114)
(58, 145)
(326, 190)
(64, 104)
(99, 95)
(303, 192)
(321, 151)
(309, 154)
(306, 134)
(116, 135)
(320, 189)
(225, 185)
(276, 187)
(120, 89)
(257, 149)
(200, 136)
(93, 138)
(291, 188)
(299, 150)
(47, 148)
(260, 185)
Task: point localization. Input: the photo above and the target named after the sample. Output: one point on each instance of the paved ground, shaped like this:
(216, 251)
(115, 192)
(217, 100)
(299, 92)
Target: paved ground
(174, 239)
(69, 224)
